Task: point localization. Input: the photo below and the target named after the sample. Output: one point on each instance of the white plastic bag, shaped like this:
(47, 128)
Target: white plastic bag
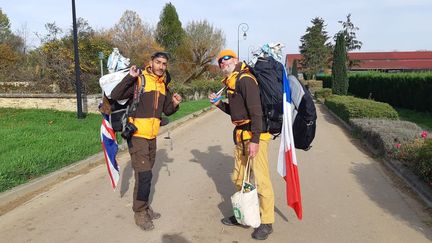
(109, 81)
(245, 202)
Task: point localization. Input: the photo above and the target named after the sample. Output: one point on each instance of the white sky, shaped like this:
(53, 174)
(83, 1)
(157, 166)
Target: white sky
(385, 25)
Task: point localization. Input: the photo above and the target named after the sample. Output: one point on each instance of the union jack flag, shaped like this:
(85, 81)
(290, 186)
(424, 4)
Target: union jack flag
(110, 148)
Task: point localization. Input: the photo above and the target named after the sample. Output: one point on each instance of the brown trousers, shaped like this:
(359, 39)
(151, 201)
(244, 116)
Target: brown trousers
(143, 156)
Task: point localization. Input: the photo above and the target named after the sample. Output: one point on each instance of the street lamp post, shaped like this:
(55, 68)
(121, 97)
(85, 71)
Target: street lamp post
(244, 28)
(77, 66)
(101, 57)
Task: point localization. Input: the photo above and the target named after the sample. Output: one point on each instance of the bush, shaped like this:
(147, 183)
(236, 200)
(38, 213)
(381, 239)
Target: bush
(423, 167)
(417, 154)
(385, 135)
(197, 89)
(312, 85)
(323, 93)
(348, 107)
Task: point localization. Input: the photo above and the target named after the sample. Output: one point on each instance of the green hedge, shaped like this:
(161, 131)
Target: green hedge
(323, 93)
(405, 90)
(402, 90)
(348, 107)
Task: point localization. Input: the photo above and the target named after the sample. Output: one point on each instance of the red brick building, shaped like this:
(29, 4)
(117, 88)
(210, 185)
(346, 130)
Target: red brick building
(383, 61)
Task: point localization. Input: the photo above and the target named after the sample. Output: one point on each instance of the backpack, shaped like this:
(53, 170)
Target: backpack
(304, 125)
(269, 74)
(120, 111)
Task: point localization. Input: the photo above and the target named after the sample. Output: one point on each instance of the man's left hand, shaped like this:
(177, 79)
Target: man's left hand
(176, 99)
(253, 149)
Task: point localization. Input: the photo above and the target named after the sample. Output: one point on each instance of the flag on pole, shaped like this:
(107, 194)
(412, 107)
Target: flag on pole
(110, 148)
(287, 161)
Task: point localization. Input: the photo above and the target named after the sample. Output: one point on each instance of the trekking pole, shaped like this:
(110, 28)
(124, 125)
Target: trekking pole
(171, 142)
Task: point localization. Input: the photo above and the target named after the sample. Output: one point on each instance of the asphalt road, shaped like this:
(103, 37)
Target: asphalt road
(348, 196)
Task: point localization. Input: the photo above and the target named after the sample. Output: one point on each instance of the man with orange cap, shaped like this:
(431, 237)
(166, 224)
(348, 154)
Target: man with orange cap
(251, 141)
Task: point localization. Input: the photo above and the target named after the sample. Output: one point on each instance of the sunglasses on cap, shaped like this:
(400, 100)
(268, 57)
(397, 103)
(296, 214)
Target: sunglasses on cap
(224, 58)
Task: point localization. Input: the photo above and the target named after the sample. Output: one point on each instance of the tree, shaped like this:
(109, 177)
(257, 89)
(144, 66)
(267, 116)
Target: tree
(339, 68)
(201, 45)
(11, 50)
(15, 42)
(351, 42)
(294, 71)
(5, 30)
(169, 31)
(348, 31)
(315, 48)
(133, 38)
(53, 33)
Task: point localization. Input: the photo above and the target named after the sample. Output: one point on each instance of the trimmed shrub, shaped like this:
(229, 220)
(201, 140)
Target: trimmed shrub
(323, 93)
(312, 85)
(423, 167)
(348, 107)
(326, 80)
(417, 155)
(385, 135)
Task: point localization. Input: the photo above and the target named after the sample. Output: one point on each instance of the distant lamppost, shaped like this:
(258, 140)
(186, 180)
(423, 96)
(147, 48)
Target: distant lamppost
(244, 28)
(101, 57)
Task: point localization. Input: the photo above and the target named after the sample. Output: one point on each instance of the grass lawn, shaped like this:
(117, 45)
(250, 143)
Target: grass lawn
(36, 142)
(423, 119)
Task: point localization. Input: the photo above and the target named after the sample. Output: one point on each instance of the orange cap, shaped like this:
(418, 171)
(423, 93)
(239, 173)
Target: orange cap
(227, 52)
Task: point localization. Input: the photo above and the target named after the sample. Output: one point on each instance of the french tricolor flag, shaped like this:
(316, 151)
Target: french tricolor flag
(287, 161)
(110, 148)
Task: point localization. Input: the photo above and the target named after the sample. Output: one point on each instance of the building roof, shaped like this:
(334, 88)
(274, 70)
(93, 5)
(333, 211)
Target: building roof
(408, 60)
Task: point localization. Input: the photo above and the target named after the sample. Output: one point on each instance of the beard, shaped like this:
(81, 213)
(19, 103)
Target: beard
(228, 69)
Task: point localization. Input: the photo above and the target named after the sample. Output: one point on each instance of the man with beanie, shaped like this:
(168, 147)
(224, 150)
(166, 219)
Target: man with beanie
(154, 99)
(244, 107)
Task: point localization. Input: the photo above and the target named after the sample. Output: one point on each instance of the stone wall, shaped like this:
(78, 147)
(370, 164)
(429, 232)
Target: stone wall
(62, 102)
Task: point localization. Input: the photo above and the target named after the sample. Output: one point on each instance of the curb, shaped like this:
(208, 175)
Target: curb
(423, 190)
(20, 194)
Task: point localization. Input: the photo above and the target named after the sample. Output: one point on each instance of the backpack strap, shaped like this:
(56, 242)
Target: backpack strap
(137, 94)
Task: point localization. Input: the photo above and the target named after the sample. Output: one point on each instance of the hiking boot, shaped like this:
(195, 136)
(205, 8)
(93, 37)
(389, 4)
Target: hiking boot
(152, 214)
(262, 232)
(143, 220)
(230, 221)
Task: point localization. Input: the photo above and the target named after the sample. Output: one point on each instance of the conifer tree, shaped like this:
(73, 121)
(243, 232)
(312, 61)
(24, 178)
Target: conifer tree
(339, 68)
(315, 48)
(169, 31)
(294, 68)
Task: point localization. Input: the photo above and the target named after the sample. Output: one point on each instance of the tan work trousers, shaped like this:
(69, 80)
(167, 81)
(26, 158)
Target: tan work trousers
(260, 169)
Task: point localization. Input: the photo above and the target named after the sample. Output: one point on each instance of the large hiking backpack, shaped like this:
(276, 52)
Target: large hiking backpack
(121, 110)
(269, 74)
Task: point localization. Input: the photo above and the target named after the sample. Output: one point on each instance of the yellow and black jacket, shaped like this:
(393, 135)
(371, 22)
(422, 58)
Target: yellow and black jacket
(244, 105)
(155, 99)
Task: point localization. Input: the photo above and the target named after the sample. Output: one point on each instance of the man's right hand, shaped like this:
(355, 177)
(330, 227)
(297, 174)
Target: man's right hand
(134, 71)
(213, 97)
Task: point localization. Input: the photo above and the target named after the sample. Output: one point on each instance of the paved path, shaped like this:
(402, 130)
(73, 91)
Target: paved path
(347, 196)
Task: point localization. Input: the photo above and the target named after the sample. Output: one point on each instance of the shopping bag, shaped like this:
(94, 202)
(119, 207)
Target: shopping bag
(245, 202)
